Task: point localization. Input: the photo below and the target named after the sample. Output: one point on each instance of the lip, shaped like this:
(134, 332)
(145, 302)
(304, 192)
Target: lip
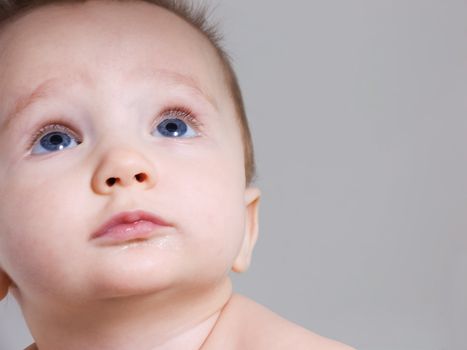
(129, 225)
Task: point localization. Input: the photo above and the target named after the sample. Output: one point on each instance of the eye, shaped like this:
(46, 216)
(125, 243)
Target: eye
(59, 138)
(176, 124)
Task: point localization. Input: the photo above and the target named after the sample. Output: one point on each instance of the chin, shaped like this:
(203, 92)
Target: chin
(130, 278)
(124, 288)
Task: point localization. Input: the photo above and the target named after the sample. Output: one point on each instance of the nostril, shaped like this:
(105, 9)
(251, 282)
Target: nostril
(111, 181)
(141, 177)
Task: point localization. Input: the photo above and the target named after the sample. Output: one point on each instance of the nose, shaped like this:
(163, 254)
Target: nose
(123, 168)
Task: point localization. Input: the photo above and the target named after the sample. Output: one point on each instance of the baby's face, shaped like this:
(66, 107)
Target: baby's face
(108, 75)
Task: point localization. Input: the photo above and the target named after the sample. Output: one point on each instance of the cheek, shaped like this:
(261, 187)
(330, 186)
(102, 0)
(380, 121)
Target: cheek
(213, 226)
(32, 222)
(211, 207)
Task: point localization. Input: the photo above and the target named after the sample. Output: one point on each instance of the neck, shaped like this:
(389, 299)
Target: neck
(161, 321)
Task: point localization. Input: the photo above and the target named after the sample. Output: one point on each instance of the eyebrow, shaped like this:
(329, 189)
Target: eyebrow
(44, 89)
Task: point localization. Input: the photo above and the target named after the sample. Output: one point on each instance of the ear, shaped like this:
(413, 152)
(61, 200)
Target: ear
(252, 198)
(5, 283)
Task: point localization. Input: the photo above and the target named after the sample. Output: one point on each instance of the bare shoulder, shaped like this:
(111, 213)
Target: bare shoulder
(247, 325)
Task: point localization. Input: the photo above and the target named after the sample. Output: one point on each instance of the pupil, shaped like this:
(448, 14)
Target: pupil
(172, 127)
(56, 139)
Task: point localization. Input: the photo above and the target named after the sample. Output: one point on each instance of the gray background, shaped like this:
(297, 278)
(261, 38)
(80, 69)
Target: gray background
(358, 111)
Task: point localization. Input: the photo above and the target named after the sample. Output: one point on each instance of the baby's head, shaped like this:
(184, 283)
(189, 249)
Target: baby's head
(111, 106)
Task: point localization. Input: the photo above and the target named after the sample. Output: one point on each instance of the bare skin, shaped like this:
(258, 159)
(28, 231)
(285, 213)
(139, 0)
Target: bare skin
(243, 324)
(247, 325)
(106, 74)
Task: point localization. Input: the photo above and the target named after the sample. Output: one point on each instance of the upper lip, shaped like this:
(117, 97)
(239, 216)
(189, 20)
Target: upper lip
(127, 217)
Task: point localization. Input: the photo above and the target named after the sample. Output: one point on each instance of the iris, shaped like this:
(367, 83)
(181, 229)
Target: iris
(172, 127)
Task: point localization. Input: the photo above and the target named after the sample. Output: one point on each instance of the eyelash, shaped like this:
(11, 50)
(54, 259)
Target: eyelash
(62, 125)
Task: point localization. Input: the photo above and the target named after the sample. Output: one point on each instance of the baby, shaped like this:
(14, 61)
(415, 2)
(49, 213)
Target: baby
(126, 181)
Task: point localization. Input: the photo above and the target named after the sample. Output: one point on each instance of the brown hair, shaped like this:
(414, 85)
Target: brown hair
(198, 18)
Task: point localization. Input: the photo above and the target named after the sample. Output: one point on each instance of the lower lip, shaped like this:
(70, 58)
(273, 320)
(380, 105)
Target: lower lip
(139, 230)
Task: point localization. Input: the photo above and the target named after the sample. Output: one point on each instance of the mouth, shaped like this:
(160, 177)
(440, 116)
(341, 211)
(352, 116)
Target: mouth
(137, 226)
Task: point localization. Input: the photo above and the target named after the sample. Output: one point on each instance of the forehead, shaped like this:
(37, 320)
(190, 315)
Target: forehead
(106, 41)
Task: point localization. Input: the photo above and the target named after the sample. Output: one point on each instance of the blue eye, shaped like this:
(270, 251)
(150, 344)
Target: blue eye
(178, 124)
(60, 138)
(173, 128)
